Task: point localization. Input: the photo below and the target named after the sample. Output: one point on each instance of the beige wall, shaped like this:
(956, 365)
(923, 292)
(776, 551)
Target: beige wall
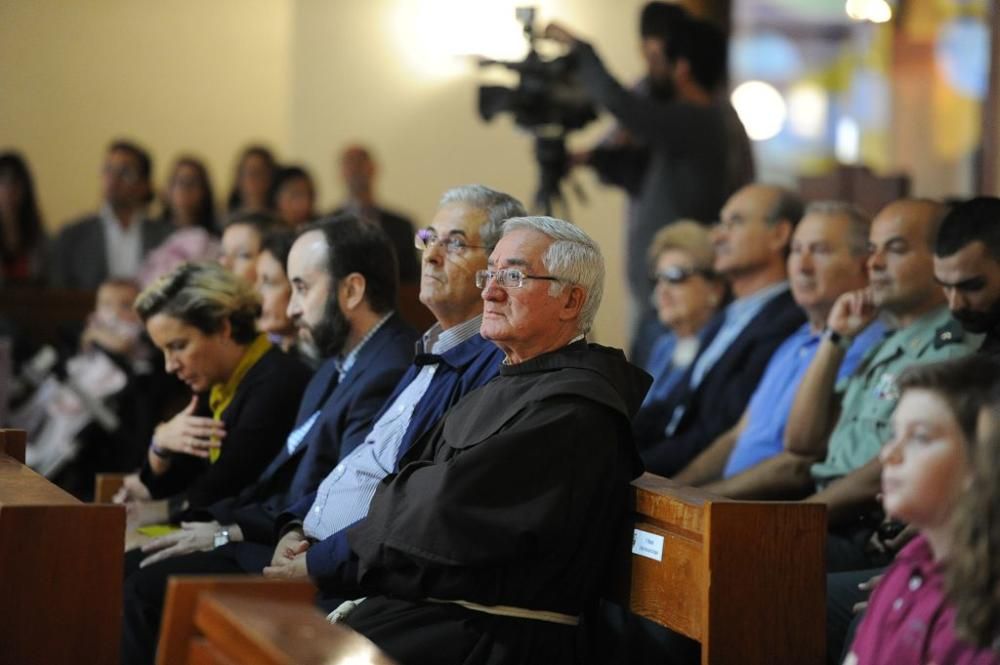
(176, 76)
(305, 76)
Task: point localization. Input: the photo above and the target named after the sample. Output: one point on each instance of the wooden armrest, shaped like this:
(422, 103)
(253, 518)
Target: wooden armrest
(106, 485)
(178, 628)
(13, 442)
(746, 579)
(255, 630)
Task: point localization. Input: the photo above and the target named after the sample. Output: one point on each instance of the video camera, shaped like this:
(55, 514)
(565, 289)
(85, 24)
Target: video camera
(548, 102)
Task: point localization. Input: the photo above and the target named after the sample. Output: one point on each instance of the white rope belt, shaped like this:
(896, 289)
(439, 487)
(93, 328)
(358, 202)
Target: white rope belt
(516, 612)
(345, 609)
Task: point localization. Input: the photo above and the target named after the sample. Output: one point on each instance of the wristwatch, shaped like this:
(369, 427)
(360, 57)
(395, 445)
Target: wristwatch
(843, 341)
(221, 537)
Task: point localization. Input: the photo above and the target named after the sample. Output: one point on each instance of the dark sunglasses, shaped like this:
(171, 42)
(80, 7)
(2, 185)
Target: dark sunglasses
(677, 275)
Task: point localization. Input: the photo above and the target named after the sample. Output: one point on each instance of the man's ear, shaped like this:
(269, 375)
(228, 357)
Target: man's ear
(576, 297)
(351, 291)
(781, 235)
(226, 330)
(682, 69)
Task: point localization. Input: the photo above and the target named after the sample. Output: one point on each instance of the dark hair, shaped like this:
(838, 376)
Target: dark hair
(706, 49)
(203, 295)
(662, 20)
(29, 218)
(963, 383)
(357, 246)
(788, 207)
(142, 158)
(206, 211)
(235, 200)
(282, 177)
(262, 222)
(974, 220)
(278, 243)
(972, 569)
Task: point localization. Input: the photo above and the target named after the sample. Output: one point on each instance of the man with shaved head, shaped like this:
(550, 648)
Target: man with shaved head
(751, 242)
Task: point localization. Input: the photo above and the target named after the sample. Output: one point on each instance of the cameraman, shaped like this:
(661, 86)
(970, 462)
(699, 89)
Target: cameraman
(688, 127)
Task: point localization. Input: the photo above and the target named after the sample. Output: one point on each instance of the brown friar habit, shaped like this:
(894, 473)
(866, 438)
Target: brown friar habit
(517, 498)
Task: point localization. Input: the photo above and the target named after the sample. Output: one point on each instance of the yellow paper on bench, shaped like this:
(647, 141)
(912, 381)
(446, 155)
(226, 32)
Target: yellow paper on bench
(157, 530)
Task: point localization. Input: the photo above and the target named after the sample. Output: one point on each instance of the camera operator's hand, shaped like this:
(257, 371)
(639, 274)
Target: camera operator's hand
(558, 33)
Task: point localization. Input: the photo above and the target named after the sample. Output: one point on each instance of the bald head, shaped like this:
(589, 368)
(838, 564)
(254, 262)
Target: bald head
(900, 264)
(754, 230)
(920, 214)
(357, 169)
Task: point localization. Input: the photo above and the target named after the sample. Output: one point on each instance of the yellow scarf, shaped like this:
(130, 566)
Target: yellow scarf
(222, 394)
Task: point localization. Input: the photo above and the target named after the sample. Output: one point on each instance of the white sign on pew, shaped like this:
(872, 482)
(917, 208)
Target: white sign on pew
(647, 544)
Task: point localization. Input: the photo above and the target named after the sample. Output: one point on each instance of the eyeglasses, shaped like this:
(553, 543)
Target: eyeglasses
(677, 275)
(427, 238)
(509, 278)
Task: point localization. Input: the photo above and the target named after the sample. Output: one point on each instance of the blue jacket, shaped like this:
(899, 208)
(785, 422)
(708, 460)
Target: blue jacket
(462, 369)
(347, 413)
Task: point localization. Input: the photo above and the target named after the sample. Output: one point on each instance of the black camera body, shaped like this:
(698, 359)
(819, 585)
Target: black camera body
(548, 102)
(547, 97)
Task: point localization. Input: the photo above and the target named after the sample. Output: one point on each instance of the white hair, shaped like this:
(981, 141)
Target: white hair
(498, 206)
(573, 257)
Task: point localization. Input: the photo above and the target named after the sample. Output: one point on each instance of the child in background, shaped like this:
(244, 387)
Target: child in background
(973, 573)
(926, 466)
(114, 326)
(111, 350)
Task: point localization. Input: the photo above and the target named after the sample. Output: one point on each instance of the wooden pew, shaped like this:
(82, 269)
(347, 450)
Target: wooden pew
(60, 569)
(106, 485)
(746, 579)
(857, 185)
(43, 314)
(241, 619)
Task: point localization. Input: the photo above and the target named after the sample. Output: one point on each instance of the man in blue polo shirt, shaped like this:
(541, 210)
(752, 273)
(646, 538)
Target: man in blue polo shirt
(827, 258)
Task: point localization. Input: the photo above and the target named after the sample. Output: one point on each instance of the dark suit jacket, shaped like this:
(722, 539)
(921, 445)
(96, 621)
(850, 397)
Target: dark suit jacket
(347, 412)
(78, 257)
(719, 401)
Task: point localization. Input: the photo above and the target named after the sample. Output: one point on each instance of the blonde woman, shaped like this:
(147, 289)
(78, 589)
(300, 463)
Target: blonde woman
(245, 392)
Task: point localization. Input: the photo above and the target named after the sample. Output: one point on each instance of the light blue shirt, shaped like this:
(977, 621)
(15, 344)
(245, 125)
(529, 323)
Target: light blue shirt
(344, 495)
(738, 315)
(771, 403)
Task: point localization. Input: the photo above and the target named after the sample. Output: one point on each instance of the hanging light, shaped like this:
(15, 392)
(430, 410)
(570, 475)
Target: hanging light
(761, 108)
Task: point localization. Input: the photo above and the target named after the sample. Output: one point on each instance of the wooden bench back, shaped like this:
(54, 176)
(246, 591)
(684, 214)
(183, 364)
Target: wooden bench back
(243, 619)
(41, 313)
(61, 585)
(745, 579)
(857, 185)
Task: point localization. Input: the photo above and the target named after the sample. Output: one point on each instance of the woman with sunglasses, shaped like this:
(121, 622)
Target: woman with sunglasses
(686, 295)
